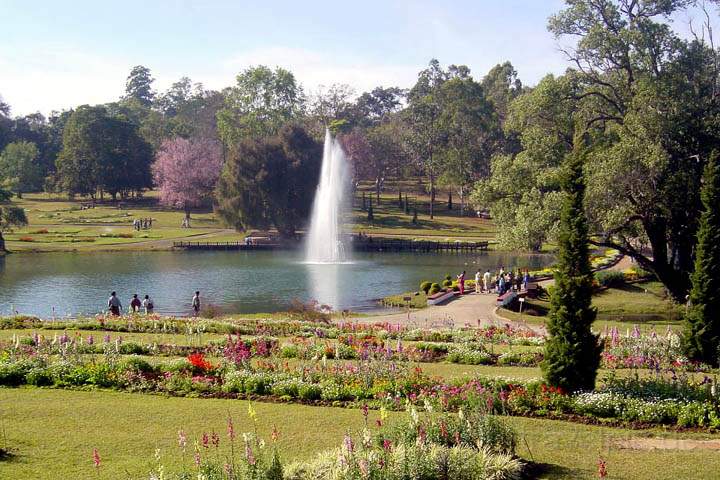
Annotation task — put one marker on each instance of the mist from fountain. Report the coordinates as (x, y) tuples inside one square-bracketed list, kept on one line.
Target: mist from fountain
[(325, 243)]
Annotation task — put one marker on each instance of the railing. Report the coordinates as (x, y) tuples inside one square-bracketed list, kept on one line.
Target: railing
[(363, 244)]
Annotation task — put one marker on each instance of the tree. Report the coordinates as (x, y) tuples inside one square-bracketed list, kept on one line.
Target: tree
[(702, 323), (651, 100), (372, 108), (472, 135), (262, 101), (10, 216), (270, 181), (501, 86), (102, 153), (523, 189), (572, 351), (186, 172), (19, 170), (139, 85)]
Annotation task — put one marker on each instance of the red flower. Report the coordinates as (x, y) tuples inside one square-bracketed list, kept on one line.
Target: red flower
[(198, 361)]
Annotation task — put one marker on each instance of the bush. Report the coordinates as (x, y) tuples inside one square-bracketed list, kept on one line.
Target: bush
[(434, 288), (447, 283), (426, 286), (610, 279)]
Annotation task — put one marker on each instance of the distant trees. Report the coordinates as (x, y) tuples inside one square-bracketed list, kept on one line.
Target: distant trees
[(102, 153), (186, 171), (19, 169), (138, 86), (261, 102), (270, 181)]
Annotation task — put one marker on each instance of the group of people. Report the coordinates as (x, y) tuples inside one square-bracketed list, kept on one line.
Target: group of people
[(147, 304), (142, 223), (501, 281)]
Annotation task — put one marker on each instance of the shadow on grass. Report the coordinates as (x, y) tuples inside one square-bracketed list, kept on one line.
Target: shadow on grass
[(549, 470)]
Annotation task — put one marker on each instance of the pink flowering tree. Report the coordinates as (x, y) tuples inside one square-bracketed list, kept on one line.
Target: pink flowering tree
[(186, 172)]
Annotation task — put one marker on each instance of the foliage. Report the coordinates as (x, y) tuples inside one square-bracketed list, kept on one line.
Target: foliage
[(10, 216), (270, 181), (572, 352), (19, 168), (610, 279), (186, 171), (702, 325), (102, 153), (259, 105)]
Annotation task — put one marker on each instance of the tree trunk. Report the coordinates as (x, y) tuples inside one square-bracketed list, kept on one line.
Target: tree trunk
[(432, 196), (19, 194), (2, 243), (462, 201), (378, 186), (450, 205), (186, 207)]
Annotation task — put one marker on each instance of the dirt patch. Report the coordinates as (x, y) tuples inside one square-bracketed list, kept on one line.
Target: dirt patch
[(667, 444)]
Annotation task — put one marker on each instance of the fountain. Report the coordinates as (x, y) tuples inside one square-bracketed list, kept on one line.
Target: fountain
[(324, 241)]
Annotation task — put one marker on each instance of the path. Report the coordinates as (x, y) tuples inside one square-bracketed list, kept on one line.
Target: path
[(475, 310)]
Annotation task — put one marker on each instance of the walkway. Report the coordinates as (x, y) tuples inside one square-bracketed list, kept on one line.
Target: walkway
[(474, 310)]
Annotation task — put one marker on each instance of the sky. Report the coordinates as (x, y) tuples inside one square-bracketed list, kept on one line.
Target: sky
[(56, 55)]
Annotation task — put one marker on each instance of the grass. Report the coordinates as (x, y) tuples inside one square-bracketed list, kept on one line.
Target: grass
[(60, 428), (643, 304), (59, 224), (70, 227)]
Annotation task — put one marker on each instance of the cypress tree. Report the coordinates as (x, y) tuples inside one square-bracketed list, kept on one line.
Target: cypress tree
[(572, 351), (702, 321), (407, 205), (364, 203), (370, 216), (414, 219)]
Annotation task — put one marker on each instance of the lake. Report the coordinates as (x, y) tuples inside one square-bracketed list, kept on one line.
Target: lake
[(235, 282)]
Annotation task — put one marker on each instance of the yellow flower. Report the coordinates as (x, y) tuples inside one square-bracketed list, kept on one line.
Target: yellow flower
[(251, 412)]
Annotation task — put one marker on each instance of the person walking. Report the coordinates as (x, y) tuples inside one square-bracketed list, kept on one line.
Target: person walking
[(501, 285), (114, 304), (526, 279), (148, 305), (461, 282), (196, 303), (478, 285), (486, 281), (135, 304)]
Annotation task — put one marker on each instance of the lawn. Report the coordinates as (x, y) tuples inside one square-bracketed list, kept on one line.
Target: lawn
[(53, 433), (643, 304), (57, 224)]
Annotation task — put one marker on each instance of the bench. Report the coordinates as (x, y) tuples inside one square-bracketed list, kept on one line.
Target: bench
[(440, 297), (506, 298)]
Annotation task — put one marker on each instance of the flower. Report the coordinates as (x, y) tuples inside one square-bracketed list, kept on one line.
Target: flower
[(96, 458), (275, 434), (251, 412), (182, 439), (602, 468), (230, 429)]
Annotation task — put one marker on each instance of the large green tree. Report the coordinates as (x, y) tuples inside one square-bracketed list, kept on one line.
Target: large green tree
[(10, 216), (270, 181), (19, 168), (102, 153), (261, 102), (650, 97), (702, 322), (572, 351)]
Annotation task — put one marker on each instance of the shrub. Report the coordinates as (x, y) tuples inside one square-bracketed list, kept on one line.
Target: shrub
[(610, 279), (434, 288), (447, 283), (426, 286)]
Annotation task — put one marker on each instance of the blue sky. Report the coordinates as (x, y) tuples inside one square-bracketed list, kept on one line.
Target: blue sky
[(58, 54)]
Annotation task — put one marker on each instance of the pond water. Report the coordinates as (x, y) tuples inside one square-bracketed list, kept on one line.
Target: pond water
[(63, 284)]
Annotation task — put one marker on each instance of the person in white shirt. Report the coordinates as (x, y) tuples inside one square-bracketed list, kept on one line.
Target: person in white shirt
[(486, 281), (478, 285), (148, 305)]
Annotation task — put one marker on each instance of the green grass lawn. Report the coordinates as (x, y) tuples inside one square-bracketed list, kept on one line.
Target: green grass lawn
[(53, 433), (56, 224), (643, 304)]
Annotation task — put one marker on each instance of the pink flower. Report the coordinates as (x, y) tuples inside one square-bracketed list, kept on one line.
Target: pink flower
[(96, 458), (205, 440), (182, 439), (230, 429)]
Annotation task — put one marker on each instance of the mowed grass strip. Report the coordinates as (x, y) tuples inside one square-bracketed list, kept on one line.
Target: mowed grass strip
[(54, 432)]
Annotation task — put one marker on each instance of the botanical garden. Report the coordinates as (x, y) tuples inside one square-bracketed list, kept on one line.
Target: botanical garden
[(468, 278)]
